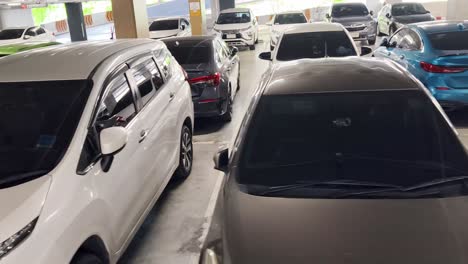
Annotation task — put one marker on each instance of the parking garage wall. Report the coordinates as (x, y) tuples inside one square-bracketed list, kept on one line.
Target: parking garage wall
[(15, 18)]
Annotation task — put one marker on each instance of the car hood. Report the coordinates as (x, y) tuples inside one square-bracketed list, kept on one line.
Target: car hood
[(237, 26), (21, 204), (349, 21), (351, 231), (163, 33), (412, 18)]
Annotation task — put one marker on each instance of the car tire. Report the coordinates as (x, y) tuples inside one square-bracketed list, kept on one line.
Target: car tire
[(86, 258), (227, 117), (185, 154), (252, 47), (371, 41)]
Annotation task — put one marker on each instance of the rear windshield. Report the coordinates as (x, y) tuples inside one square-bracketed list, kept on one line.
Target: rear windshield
[(164, 25), (11, 34), (408, 9), (349, 10), (315, 45), (38, 122), (234, 18), (290, 19), (457, 40), (389, 137), (191, 54)]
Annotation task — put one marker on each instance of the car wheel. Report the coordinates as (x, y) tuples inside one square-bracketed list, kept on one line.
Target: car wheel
[(371, 41), (86, 258), (185, 155), (227, 117), (252, 47)]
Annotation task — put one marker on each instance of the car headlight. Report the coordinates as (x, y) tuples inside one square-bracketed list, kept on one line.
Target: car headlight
[(10, 243)]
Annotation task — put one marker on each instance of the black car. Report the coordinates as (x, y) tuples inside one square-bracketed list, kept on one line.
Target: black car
[(392, 16), (213, 73)]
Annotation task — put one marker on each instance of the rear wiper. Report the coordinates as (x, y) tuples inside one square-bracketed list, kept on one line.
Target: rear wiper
[(340, 183), (10, 180)]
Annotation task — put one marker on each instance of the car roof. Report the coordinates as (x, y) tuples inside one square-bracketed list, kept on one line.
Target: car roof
[(355, 74), (349, 4), (441, 26), (234, 10), (72, 61), (290, 12), (313, 27)]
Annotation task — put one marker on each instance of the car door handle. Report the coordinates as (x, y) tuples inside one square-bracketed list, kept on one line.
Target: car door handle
[(171, 96), (143, 135)]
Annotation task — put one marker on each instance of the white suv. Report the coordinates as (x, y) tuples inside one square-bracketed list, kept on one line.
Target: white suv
[(281, 21), (89, 139), (238, 27)]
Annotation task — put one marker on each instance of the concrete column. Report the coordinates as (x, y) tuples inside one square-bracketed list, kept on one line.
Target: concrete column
[(130, 18), (197, 16), (76, 24), (225, 4), (457, 9)]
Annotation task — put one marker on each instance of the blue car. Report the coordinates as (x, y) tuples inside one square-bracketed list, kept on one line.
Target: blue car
[(437, 54)]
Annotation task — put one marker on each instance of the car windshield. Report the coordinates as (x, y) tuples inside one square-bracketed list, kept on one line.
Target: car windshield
[(408, 9), (233, 18), (315, 45), (191, 53), (38, 122), (349, 10), (388, 138), (290, 19), (164, 25), (11, 34), (457, 40)]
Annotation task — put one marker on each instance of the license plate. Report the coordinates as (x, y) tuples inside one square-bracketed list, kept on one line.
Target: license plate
[(355, 34), (231, 36)]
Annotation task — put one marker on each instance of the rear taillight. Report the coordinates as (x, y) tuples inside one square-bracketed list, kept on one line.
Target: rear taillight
[(214, 79), (440, 69)]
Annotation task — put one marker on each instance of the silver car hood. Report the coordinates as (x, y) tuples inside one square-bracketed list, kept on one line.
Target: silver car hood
[(354, 231)]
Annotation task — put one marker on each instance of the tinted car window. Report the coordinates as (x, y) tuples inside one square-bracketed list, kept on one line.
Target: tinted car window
[(164, 25), (38, 122), (349, 10), (11, 34), (457, 40), (408, 9), (388, 137), (290, 19), (31, 32), (315, 45), (234, 18), (40, 31), (191, 54), (143, 75)]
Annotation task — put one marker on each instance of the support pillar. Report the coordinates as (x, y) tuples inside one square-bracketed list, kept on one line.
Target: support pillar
[(197, 17), (225, 4), (76, 23), (130, 18)]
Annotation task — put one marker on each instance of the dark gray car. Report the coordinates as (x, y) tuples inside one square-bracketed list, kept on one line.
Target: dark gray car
[(364, 168), (213, 73), (357, 19), (392, 16)]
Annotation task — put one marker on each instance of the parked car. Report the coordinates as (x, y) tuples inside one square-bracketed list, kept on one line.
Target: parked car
[(213, 71), (170, 27), (392, 16), (15, 48), (25, 34), (238, 27), (89, 139), (363, 168), (314, 40), (282, 21), (437, 54), (357, 19)]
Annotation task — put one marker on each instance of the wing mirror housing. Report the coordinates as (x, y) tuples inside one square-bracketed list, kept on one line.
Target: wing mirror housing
[(221, 160), (182, 27), (265, 56), (234, 51), (371, 13), (113, 140), (388, 15), (365, 51)]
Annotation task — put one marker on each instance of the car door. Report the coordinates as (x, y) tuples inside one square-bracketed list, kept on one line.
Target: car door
[(230, 64)]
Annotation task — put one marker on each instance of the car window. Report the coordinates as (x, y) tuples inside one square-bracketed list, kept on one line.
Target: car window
[(413, 40), (344, 10), (31, 32), (191, 52), (233, 18), (296, 18), (397, 37), (386, 137), (407, 9), (456, 40), (315, 45), (407, 39), (170, 24), (220, 54), (11, 34), (143, 75), (164, 61), (40, 31)]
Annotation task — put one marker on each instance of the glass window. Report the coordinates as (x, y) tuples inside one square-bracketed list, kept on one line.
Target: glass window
[(407, 9), (315, 45), (346, 10), (164, 60), (456, 40), (170, 24), (398, 37), (386, 137), (38, 122), (40, 31), (31, 32), (11, 34), (191, 54), (233, 18), (143, 75), (296, 18)]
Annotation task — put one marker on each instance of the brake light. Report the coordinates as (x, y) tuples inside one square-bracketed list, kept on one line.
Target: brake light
[(440, 69), (214, 79)]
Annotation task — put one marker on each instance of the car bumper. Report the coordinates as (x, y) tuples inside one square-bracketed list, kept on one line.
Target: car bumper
[(368, 33), (209, 107)]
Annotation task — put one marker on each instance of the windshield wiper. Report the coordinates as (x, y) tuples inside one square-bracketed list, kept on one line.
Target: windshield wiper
[(336, 183), (13, 179)]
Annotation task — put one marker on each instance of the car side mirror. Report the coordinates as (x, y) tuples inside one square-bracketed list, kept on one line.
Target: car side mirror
[(221, 160), (393, 44), (388, 15), (182, 27), (27, 36), (328, 16), (428, 12), (371, 13), (113, 140), (365, 51), (234, 51), (265, 56), (384, 43)]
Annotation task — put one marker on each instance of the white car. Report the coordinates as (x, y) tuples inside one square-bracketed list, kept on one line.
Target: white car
[(314, 40), (170, 27), (281, 22), (237, 27), (89, 139), (25, 34)]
